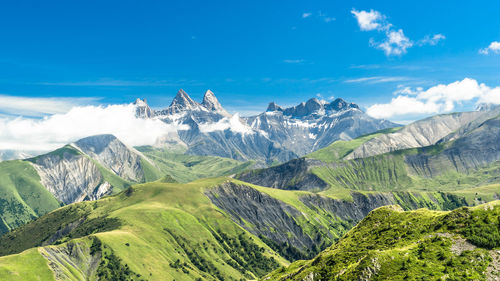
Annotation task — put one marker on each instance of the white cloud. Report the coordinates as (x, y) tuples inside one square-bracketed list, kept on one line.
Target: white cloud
[(437, 99), (402, 105), (306, 15), (395, 42), (431, 40), (37, 107), (494, 47), (369, 20), (59, 129)]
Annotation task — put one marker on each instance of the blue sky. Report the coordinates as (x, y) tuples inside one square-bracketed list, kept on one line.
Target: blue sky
[(248, 53)]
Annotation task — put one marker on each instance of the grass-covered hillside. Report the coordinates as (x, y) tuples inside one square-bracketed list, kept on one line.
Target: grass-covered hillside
[(185, 168), (390, 244), (154, 231), (213, 229), (22, 196)]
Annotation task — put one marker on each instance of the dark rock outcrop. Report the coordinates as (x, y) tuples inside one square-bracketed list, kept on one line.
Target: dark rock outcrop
[(293, 175)]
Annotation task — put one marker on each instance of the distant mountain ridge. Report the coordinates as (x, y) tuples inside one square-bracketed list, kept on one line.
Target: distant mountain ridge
[(276, 135), (452, 151)]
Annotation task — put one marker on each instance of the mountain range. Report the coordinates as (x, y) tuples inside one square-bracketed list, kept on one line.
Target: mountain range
[(276, 135), (443, 152), (298, 194)]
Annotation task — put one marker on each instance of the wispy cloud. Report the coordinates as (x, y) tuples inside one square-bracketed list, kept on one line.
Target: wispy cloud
[(294, 61), (494, 47), (378, 79), (37, 107), (395, 42), (324, 17), (118, 83), (365, 66), (431, 40), (319, 15)]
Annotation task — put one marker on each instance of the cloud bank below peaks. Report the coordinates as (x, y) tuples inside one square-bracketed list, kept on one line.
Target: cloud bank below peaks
[(437, 99), (54, 131)]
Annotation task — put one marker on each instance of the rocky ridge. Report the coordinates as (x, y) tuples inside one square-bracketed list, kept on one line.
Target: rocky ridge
[(279, 134)]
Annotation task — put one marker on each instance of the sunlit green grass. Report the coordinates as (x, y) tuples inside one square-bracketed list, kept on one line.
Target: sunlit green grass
[(390, 244), (29, 265)]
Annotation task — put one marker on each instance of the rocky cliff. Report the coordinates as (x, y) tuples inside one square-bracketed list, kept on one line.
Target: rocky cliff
[(422, 133), (291, 224), (71, 176), (111, 153)]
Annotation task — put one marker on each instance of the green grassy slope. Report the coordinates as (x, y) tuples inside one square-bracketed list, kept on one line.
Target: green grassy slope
[(392, 171), (389, 172), (161, 231), (390, 244), (22, 196), (185, 168), (166, 231), (27, 266)]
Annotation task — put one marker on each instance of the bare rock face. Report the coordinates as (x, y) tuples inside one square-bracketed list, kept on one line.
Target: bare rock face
[(263, 215), (418, 134), (76, 256), (476, 148), (114, 155), (70, 176), (211, 103)]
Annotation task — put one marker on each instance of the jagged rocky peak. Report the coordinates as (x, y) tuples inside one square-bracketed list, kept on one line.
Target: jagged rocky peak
[(273, 107), (211, 103), (314, 107), (142, 109), (182, 102), (340, 104)]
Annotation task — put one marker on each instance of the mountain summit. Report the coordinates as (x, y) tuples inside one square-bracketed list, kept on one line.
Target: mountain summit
[(211, 103), (181, 102)]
